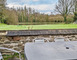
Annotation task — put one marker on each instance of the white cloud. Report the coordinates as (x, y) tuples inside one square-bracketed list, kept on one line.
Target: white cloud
[(35, 0), (48, 13), (14, 5), (29, 0), (25, 0), (37, 7), (42, 7)]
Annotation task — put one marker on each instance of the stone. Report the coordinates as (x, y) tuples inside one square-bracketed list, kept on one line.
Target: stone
[(73, 39), (22, 47), (16, 38), (17, 48), (8, 46), (20, 44), (76, 38), (14, 42), (30, 41), (23, 38), (72, 35), (7, 42), (4, 38), (28, 38), (1, 43), (66, 39), (14, 58), (66, 36), (10, 38)]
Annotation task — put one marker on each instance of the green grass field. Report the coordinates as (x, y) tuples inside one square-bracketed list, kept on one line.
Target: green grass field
[(36, 27)]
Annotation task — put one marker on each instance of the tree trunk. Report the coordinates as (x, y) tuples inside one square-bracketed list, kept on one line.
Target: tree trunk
[(65, 19)]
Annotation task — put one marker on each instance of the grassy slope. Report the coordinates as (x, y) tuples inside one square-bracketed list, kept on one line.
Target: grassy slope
[(25, 27)]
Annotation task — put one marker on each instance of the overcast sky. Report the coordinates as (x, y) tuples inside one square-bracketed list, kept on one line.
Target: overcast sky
[(43, 6)]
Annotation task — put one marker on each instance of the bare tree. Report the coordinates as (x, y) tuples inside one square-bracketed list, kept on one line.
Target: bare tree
[(75, 10), (64, 7), (75, 5)]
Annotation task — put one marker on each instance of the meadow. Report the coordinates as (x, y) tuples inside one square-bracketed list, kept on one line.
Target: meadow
[(37, 27)]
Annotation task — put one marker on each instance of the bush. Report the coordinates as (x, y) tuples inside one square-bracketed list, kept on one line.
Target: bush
[(10, 17), (70, 19)]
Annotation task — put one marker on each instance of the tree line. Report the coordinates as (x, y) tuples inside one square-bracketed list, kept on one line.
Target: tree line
[(67, 10)]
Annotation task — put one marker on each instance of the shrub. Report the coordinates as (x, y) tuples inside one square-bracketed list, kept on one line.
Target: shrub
[(10, 17)]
